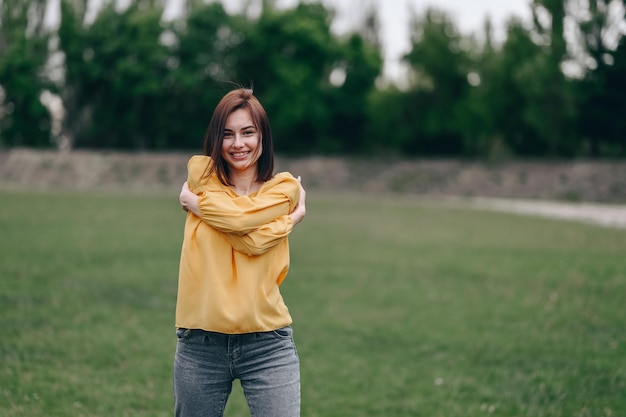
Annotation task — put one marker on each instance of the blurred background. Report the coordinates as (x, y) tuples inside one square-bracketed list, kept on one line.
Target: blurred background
[(546, 81), (402, 306)]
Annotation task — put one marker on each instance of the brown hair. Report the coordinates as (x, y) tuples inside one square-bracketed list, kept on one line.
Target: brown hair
[(241, 98)]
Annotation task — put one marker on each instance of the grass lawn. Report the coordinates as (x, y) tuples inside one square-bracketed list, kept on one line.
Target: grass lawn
[(400, 308)]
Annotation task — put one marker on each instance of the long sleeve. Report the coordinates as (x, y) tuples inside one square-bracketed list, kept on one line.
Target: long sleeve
[(252, 224), (262, 239), (244, 214)]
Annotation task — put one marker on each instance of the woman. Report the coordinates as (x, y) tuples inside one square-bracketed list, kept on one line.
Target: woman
[(231, 320)]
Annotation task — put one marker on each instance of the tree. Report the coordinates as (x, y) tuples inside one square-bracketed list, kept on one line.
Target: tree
[(440, 66), (121, 92), (115, 83), (288, 55), (478, 118), (391, 122), (24, 120), (505, 83), (200, 69), (357, 67), (602, 90), (552, 112)]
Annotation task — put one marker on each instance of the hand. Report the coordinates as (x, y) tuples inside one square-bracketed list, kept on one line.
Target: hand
[(188, 200), (300, 210)]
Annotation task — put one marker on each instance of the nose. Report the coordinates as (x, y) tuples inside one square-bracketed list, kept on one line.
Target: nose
[(237, 142)]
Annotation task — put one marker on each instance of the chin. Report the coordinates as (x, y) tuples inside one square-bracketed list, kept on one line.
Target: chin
[(240, 165)]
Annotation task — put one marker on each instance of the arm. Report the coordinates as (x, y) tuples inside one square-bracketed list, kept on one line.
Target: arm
[(243, 214), (300, 211), (240, 216), (259, 240), (267, 236), (228, 213), (262, 239), (190, 202)]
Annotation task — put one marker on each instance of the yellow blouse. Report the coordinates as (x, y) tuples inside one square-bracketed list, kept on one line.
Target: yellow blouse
[(235, 255)]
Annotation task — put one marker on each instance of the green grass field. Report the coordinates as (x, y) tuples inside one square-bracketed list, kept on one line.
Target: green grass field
[(401, 309)]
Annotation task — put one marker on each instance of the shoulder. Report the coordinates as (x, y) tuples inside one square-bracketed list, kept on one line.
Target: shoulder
[(198, 161), (282, 180), (284, 177), (283, 184), (197, 168)]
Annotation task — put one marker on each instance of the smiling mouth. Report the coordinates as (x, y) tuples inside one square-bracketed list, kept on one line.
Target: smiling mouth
[(239, 154)]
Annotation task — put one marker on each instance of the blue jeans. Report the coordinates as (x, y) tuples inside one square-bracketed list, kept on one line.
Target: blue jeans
[(207, 363)]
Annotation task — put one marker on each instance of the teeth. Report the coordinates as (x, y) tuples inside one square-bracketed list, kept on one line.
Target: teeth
[(237, 154)]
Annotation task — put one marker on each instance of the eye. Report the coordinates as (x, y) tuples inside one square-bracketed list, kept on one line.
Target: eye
[(228, 134), (249, 132)]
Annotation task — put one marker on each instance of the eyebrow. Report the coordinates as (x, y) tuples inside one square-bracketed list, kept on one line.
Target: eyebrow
[(243, 128)]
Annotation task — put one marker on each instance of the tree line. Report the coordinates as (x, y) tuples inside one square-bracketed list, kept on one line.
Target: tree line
[(127, 79)]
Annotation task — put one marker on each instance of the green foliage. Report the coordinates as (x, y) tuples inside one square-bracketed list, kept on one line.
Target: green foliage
[(117, 80), (400, 308), (390, 122), (288, 56), (501, 72), (200, 60), (120, 88), (24, 121), (440, 66), (360, 64), (605, 87), (552, 114), (154, 84)]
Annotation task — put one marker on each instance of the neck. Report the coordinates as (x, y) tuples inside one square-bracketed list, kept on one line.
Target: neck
[(244, 182)]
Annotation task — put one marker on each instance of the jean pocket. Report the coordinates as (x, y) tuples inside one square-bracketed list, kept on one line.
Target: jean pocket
[(182, 333), (283, 333)]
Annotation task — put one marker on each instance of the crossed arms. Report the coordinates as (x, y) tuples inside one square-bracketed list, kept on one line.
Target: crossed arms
[(252, 226)]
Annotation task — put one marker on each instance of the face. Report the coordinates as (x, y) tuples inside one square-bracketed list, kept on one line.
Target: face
[(241, 147)]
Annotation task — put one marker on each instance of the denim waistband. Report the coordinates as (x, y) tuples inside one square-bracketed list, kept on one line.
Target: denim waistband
[(218, 337)]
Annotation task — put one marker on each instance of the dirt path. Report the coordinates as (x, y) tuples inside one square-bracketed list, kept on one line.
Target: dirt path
[(613, 216)]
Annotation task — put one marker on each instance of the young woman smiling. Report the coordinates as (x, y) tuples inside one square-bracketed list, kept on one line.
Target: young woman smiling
[(231, 320)]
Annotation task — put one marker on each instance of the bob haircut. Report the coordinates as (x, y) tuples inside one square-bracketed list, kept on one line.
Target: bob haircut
[(241, 98)]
